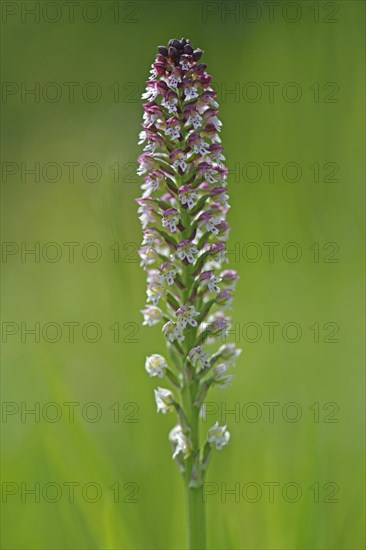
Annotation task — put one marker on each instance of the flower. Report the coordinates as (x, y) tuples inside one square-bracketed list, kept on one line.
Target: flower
[(152, 315), (179, 159), (152, 276), (195, 120), (171, 219), (212, 286), (210, 222), (200, 147), (147, 215), (224, 298), (173, 128), (198, 357), (218, 325), (190, 92), (185, 62), (228, 353), (146, 163), (216, 153), (172, 332), (210, 280), (187, 195), (229, 278), (220, 376), (150, 93), (187, 250), (218, 436), (167, 273), (208, 172), (148, 255), (154, 292), (154, 180), (164, 400), (185, 315), (170, 103), (150, 237), (174, 80), (180, 442), (155, 365)]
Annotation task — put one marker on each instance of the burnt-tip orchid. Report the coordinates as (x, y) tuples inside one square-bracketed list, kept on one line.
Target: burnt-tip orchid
[(183, 212)]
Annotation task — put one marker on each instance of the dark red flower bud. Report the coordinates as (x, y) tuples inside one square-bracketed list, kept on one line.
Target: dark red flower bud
[(161, 86), (205, 79), (176, 44), (163, 51), (188, 49), (173, 53), (160, 68), (197, 54)]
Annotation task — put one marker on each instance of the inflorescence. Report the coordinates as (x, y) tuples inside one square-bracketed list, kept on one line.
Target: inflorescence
[(183, 214)]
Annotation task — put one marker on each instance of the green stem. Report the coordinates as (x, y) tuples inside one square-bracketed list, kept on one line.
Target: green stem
[(196, 528), (195, 507)]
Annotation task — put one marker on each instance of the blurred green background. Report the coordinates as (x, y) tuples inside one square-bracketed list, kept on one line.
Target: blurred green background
[(312, 53)]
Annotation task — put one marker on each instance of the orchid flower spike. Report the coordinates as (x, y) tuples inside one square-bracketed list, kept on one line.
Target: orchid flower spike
[(183, 212)]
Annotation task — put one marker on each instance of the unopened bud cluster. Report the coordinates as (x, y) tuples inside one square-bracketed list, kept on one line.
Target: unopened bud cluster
[(183, 214)]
